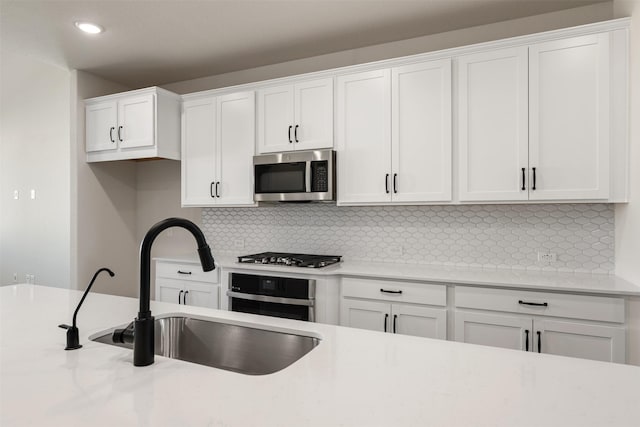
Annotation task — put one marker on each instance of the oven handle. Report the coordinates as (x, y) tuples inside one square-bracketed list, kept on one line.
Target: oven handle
[(276, 300)]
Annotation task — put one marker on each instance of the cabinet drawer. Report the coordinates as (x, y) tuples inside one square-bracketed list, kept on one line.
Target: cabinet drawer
[(186, 271), (418, 293), (605, 309)]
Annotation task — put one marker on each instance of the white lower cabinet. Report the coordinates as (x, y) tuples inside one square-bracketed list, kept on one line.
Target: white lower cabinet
[(369, 304), (185, 283), (592, 328)]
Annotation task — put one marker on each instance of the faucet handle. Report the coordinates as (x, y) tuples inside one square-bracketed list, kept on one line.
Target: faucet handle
[(73, 337)]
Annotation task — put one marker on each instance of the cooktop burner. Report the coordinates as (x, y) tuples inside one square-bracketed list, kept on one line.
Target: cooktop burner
[(295, 260)]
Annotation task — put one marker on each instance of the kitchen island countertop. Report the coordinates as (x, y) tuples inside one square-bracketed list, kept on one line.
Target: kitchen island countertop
[(353, 378)]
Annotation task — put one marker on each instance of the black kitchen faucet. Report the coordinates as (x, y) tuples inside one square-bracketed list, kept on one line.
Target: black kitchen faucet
[(142, 335)]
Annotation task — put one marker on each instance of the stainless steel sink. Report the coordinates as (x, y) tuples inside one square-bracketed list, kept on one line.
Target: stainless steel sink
[(243, 349)]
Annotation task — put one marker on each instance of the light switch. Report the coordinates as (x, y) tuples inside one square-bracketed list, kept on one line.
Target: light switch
[(33, 194)]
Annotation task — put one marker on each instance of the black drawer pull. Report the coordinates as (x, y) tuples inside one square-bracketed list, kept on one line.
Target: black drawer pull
[(211, 189), (386, 317), (537, 304), (119, 130), (183, 272), (111, 129), (395, 320), (390, 292), (395, 182), (386, 183), (526, 338), (184, 298), (295, 133), (290, 142), (180, 295), (523, 178)]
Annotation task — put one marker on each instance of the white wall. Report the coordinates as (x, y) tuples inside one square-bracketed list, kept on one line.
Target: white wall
[(628, 215), (34, 154), (103, 204), (467, 36)]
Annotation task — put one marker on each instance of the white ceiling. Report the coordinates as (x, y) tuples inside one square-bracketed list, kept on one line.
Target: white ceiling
[(149, 42)]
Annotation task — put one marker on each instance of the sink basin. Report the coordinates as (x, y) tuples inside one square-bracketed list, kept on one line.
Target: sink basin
[(238, 348)]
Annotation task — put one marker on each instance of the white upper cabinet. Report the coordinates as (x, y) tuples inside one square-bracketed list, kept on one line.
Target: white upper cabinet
[(421, 132), (569, 118), (364, 137), (296, 117), (394, 135), (139, 124), (218, 140), (492, 125), (533, 121)]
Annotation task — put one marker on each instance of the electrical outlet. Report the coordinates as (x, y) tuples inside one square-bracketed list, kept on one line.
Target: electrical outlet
[(16, 194), (239, 243), (546, 257), (33, 194)]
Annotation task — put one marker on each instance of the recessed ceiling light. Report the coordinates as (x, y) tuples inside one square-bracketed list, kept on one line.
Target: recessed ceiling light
[(88, 27)]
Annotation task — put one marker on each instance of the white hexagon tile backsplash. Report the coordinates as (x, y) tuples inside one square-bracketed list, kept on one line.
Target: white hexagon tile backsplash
[(489, 236)]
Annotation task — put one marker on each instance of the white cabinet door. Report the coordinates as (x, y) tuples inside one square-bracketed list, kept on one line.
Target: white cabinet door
[(503, 330), (569, 118), (101, 126), (492, 125), (371, 315), (201, 295), (168, 290), (313, 123), (419, 321), (421, 132), (364, 137), (275, 119), (198, 152), (235, 148), (575, 339), (136, 121)]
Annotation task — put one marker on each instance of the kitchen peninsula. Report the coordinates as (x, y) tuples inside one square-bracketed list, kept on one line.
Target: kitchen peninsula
[(352, 378)]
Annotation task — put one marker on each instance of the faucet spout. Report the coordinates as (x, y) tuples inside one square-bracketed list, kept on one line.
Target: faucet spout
[(143, 345)]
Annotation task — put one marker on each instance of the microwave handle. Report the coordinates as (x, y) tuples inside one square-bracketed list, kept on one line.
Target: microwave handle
[(307, 177)]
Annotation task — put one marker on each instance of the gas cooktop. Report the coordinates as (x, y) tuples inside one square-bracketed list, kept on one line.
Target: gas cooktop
[(295, 260)]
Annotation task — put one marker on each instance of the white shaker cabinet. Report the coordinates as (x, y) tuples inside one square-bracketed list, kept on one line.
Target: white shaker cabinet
[(218, 141), (533, 121), (296, 117), (139, 124), (569, 113), (492, 125), (589, 327), (394, 135), (185, 283), (394, 307)]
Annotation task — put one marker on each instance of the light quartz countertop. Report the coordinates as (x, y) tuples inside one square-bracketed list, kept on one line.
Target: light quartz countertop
[(352, 378), (535, 280)]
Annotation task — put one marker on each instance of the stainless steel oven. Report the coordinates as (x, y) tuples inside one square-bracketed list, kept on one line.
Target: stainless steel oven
[(295, 177), (272, 296)]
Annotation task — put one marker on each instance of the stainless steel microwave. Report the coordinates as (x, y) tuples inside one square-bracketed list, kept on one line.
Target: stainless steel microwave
[(299, 176)]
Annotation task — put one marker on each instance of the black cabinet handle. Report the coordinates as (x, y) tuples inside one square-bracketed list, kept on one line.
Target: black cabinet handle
[(537, 304), (183, 272), (526, 340), (184, 298), (217, 193), (395, 182), (180, 295), (111, 129), (539, 341), (395, 319), (390, 292), (295, 133), (523, 180), (290, 134), (211, 189), (386, 317), (119, 137), (534, 179), (386, 183)]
